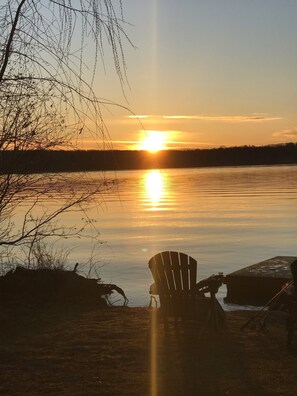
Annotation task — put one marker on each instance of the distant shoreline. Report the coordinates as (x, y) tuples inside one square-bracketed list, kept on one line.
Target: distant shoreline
[(39, 161)]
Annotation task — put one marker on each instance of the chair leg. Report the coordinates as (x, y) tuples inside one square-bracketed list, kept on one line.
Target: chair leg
[(217, 314), (213, 312)]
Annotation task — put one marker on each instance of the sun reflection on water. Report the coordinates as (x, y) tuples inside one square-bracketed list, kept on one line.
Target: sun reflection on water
[(155, 188)]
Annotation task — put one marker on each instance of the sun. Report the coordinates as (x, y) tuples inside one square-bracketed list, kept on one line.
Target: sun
[(153, 141)]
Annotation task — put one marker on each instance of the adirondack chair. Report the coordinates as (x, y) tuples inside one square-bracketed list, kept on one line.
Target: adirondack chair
[(180, 296)]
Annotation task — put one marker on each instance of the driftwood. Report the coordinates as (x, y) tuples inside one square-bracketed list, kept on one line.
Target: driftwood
[(23, 285)]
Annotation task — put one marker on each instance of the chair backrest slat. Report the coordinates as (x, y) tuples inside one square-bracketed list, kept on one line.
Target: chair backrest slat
[(157, 268), (176, 269), (168, 270), (193, 273), (185, 271)]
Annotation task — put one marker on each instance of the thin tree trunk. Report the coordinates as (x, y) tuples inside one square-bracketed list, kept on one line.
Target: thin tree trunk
[(10, 39)]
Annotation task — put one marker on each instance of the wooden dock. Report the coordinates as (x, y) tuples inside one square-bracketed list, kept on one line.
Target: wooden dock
[(258, 283)]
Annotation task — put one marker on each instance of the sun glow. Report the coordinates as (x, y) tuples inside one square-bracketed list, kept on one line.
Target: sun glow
[(153, 141)]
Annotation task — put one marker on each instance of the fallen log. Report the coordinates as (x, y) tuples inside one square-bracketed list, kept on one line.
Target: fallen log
[(23, 285)]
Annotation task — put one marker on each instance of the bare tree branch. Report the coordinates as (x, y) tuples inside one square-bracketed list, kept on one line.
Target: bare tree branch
[(49, 54)]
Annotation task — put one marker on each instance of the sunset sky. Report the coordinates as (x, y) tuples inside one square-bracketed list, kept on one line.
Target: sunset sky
[(206, 74)]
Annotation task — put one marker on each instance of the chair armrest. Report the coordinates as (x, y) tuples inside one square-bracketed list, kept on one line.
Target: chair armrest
[(210, 284)]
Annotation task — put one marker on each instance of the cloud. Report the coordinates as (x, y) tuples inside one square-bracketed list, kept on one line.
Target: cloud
[(188, 144), (286, 134), (140, 116), (124, 144), (255, 117), (124, 141), (226, 118)]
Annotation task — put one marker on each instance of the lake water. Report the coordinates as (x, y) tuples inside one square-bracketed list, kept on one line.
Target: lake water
[(226, 218)]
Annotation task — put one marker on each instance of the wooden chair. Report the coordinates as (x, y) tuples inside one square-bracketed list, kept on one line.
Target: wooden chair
[(180, 297)]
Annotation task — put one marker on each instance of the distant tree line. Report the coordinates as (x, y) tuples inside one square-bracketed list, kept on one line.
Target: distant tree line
[(32, 161)]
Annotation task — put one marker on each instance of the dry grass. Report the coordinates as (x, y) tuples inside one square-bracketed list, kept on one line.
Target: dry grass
[(107, 352)]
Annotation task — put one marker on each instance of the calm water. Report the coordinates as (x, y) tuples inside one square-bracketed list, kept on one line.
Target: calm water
[(226, 218)]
